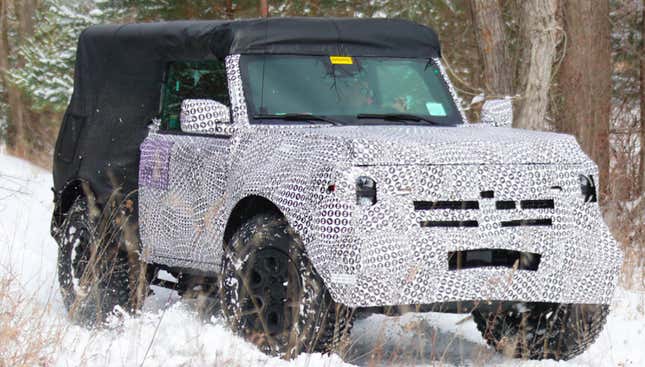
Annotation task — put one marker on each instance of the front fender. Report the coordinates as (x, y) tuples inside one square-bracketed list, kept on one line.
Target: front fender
[(296, 174)]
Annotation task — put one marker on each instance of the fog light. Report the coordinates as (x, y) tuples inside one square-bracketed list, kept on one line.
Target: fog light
[(588, 188), (365, 191)]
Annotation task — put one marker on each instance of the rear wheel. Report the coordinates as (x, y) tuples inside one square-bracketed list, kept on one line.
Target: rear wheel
[(95, 271), (272, 295), (542, 330)]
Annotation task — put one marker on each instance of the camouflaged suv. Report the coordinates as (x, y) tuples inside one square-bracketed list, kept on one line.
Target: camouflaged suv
[(293, 173)]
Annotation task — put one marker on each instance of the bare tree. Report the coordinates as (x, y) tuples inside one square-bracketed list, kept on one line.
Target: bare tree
[(539, 31), (489, 27), (585, 79)]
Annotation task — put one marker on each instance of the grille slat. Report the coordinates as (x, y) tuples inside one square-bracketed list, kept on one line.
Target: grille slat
[(537, 204), (437, 205), (504, 205), (527, 222), (487, 194), (449, 223)]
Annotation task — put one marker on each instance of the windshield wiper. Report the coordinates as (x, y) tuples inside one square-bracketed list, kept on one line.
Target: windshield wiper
[(296, 117), (398, 117)]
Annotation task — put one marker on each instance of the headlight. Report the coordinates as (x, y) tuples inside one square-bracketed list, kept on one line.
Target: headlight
[(365, 191), (588, 188)]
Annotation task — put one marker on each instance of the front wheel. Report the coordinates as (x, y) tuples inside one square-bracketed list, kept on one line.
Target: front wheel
[(272, 295), (542, 330)]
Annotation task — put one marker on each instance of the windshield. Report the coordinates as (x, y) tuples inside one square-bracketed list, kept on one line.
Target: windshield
[(347, 87)]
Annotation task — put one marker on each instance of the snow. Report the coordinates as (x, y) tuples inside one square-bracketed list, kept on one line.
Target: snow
[(478, 98), (168, 331)]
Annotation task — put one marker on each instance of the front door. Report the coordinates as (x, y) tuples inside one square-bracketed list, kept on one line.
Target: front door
[(182, 175)]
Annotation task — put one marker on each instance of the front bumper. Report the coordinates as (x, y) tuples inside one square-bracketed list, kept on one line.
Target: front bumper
[(381, 256)]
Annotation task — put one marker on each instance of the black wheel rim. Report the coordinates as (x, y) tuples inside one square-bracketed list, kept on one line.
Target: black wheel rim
[(269, 295)]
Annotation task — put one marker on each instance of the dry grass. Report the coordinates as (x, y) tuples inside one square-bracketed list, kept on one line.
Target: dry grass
[(624, 212), (424, 344), (27, 336), (628, 227)]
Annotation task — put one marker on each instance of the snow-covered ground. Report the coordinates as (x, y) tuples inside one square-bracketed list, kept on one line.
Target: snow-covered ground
[(168, 332)]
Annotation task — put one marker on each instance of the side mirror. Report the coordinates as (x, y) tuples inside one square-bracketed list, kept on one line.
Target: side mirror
[(497, 112), (204, 116)]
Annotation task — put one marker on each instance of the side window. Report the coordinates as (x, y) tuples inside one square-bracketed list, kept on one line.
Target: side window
[(191, 80)]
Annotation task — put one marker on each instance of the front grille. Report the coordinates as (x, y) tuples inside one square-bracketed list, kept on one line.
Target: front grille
[(521, 207)]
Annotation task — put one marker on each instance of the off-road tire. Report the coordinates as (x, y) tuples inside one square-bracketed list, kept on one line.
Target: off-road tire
[(95, 272), (542, 331), (263, 254)]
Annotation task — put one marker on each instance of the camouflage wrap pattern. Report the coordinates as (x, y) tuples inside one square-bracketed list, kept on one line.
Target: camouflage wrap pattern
[(204, 117)]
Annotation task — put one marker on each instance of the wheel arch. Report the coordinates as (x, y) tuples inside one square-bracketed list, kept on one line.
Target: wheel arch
[(245, 209), (73, 189)]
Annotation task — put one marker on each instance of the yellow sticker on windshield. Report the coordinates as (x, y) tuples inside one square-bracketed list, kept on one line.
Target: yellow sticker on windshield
[(341, 60)]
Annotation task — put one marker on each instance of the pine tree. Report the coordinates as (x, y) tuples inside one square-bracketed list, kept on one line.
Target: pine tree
[(47, 77), (155, 10)]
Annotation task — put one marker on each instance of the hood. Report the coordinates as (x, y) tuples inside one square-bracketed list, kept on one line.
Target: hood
[(467, 144)]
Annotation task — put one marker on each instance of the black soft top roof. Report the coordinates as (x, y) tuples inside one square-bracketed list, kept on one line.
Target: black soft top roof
[(119, 71), (303, 36)]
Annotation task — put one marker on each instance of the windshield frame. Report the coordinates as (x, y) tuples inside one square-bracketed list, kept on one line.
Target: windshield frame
[(348, 119)]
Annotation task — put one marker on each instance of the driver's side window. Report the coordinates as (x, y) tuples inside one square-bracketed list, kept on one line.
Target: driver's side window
[(191, 80)]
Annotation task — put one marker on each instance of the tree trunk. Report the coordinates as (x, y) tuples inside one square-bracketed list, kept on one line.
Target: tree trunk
[(229, 9), (539, 37), (642, 156), (25, 10), (585, 80), (20, 115), (264, 8), (491, 37), (16, 134), (315, 7)]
